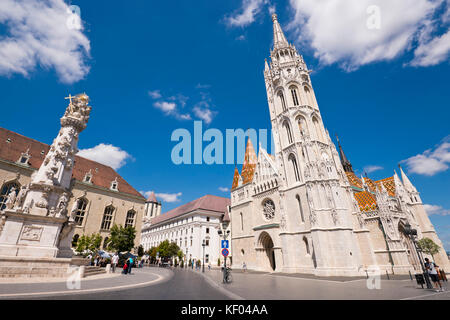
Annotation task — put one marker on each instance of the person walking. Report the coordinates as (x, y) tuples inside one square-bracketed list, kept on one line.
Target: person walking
[(432, 271), (209, 265), (125, 268), (130, 265), (114, 261), (244, 267)]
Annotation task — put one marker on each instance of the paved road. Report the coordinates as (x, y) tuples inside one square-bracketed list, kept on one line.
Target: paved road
[(183, 285)]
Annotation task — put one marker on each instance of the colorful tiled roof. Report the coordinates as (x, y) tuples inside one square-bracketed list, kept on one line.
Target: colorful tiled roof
[(249, 166), (208, 202), (235, 179), (388, 184), (354, 180), (12, 145), (366, 201)]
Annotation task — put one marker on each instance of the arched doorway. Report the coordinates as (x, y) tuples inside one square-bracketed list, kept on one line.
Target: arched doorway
[(266, 243)]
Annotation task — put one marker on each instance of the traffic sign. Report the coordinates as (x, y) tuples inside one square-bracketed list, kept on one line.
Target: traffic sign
[(224, 244), (225, 252)]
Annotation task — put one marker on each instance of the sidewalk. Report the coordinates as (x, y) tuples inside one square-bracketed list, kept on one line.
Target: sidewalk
[(138, 278), (278, 286)]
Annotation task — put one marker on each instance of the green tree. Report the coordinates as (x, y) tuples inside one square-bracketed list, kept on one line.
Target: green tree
[(428, 246), (180, 255), (121, 239), (140, 251), (168, 249), (82, 244), (95, 241)]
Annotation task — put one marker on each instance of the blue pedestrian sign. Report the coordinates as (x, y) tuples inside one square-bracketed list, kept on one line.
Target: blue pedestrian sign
[(225, 252), (224, 244)]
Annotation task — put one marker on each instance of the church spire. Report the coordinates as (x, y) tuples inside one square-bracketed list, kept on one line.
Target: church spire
[(345, 163), (406, 182), (279, 40)]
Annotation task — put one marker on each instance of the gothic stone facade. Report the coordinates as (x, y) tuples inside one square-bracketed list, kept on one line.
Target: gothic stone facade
[(299, 210)]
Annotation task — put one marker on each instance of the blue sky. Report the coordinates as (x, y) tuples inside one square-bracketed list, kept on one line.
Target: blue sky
[(151, 67)]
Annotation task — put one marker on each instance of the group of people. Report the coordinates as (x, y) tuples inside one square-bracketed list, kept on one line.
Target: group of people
[(127, 266)]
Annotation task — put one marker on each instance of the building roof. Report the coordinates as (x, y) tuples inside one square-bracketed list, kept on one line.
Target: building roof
[(366, 201), (388, 183), (235, 179), (12, 145), (207, 202), (152, 198)]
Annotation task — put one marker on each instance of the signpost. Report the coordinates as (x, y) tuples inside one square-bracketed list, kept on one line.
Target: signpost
[(224, 244), (225, 252)]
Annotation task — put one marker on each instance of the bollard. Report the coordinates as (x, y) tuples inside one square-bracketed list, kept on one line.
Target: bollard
[(108, 268), (410, 275), (81, 271)]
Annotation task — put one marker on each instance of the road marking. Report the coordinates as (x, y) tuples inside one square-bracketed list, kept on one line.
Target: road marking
[(143, 284)]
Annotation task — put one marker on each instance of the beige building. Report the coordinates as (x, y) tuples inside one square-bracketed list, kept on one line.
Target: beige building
[(302, 209), (103, 197)]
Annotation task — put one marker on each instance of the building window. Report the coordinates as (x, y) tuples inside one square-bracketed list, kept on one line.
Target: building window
[(306, 244), (207, 242), (6, 189), (207, 230), (288, 131), (268, 209), (300, 208), (81, 211), (294, 95), (107, 217), (207, 219), (191, 242), (293, 161), (129, 222), (242, 221), (114, 185), (283, 103)]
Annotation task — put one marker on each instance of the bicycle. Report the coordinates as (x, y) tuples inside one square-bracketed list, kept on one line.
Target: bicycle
[(227, 277)]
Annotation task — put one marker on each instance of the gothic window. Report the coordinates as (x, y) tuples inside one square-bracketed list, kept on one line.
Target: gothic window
[(130, 218), (242, 221), (288, 131), (293, 162), (207, 230), (302, 125), (300, 208), (305, 241), (6, 189), (81, 211), (317, 127), (308, 95), (107, 218), (268, 209), (282, 101), (294, 95)]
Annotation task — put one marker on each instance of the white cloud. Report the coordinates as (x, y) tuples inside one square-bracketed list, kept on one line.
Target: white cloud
[(338, 31), (432, 52), (202, 112), (169, 197), (224, 189), (37, 33), (370, 169), (436, 210), (106, 154), (155, 94), (248, 11), (167, 107), (431, 161)]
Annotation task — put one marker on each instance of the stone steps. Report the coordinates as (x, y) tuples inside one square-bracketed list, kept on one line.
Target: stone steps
[(92, 270)]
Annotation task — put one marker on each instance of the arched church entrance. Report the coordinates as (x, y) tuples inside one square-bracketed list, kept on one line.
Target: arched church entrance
[(265, 241)]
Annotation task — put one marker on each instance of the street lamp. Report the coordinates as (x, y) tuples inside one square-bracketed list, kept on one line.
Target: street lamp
[(203, 245), (225, 234), (412, 233)]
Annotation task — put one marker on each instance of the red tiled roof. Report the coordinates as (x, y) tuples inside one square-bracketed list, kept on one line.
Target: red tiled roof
[(102, 175), (208, 202), (152, 197)]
